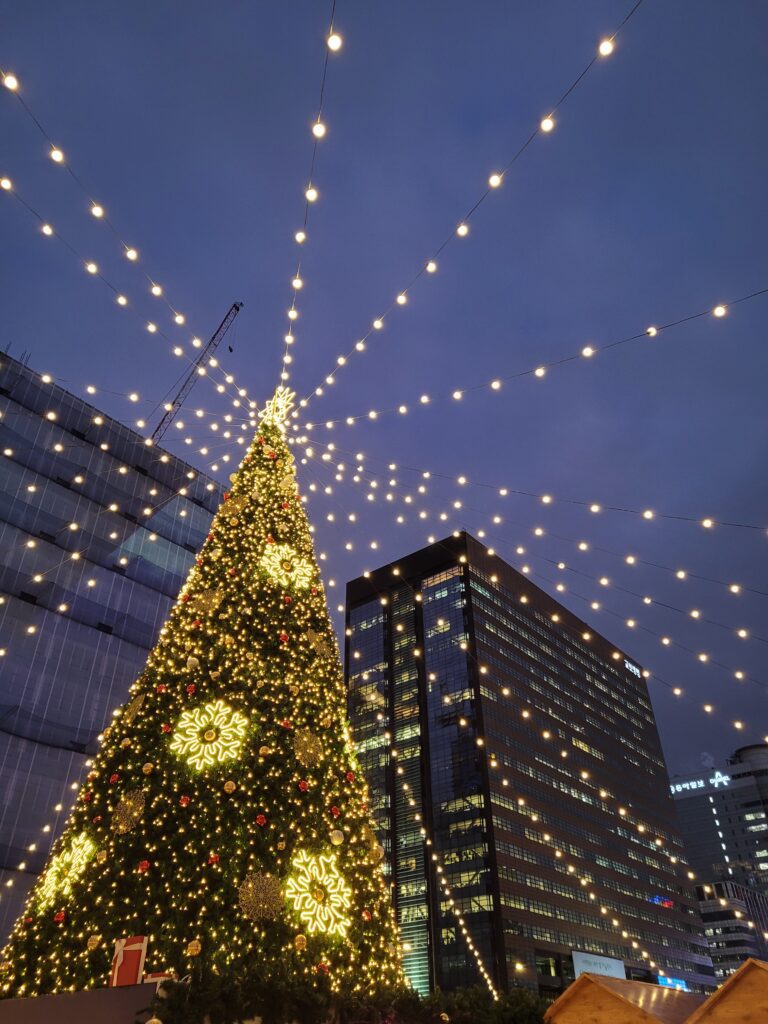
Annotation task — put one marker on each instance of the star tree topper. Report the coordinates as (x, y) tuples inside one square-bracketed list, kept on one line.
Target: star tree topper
[(278, 408)]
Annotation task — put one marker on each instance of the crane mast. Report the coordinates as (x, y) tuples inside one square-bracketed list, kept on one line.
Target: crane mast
[(193, 374)]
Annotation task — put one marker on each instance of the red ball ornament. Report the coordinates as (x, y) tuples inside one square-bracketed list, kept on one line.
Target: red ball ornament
[(197, 624), (185, 597), (335, 812), (286, 723), (114, 777), (313, 591), (59, 916), (283, 638), (303, 786), (367, 915), (350, 776), (271, 455), (270, 539), (322, 967), (210, 536), (213, 859), (259, 439), (198, 561), (261, 820), (285, 504), (97, 819), (87, 796), (287, 599), (191, 689), (28, 920), (226, 495), (363, 807), (143, 866), (233, 571), (184, 801), (165, 727), (161, 687)]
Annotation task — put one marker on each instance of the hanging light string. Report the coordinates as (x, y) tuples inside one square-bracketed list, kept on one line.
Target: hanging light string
[(622, 814), (483, 671), (629, 558), (539, 372), (327, 492), (666, 641), (95, 207), (333, 43), (91, 267), (429, 267)]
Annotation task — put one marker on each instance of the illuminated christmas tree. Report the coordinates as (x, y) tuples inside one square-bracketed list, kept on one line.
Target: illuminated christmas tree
[(225, 817)]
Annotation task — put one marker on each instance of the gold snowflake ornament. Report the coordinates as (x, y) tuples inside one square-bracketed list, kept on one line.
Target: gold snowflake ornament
[(129, 811), (318, 893), (308, 748), (282, 564), (207, 735), (260, 896), (64, 868), (278, 408)]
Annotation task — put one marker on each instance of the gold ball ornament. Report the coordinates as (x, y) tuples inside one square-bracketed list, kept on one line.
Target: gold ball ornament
[(300, 942), (444, 1017), (154, 1020), (264, 751), (194, 948), (229, 786), (94, 941), (209, 735), (337, 837), (281, 844), (193, 662), (101, 856), (148, 768), (125, 742), (377, 852)]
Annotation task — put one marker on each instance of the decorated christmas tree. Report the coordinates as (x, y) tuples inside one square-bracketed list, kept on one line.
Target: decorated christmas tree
[(224, 818)]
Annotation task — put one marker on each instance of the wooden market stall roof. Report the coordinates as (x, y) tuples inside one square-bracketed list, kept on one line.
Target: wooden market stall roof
[(596, 999), (741, 999)]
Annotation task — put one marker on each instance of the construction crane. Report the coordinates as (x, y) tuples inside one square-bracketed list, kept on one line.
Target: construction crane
[(173, 407)]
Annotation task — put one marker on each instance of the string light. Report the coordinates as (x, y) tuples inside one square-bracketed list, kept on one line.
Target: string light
[(585, 352), (545, 126)]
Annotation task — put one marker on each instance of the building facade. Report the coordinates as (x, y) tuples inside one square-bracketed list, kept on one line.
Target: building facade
[(736, 924), (97, 533), (512, 752), (723, 814)]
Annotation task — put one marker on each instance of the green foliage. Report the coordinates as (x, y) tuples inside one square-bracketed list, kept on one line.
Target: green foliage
[(233, 1001)]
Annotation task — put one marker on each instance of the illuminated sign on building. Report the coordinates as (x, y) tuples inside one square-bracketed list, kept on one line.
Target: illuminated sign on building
[(632, 668), (662, 901), (590, 963), (678, 983), (718, 779)]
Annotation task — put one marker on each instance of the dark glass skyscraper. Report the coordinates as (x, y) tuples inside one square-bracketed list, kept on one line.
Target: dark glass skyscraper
[(526, 769), (97, 533)]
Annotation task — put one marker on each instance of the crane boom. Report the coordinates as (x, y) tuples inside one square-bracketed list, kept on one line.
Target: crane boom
[(193, 374)]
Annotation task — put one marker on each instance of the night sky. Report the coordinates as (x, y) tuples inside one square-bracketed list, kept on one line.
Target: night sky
[(190, 122)]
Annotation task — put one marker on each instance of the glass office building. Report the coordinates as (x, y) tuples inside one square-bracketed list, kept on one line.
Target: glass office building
[(723, 814), (97, 533), (513, 749)]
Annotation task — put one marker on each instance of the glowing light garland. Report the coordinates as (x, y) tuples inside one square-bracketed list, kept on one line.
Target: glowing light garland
[(429, 266), (208, 735), (64, 868), (495, 384), (318, 893)]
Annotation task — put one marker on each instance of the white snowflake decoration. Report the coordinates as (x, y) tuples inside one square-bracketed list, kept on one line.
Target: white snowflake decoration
[(281, 563), (64, 869), (318, 893), (209, 734)]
